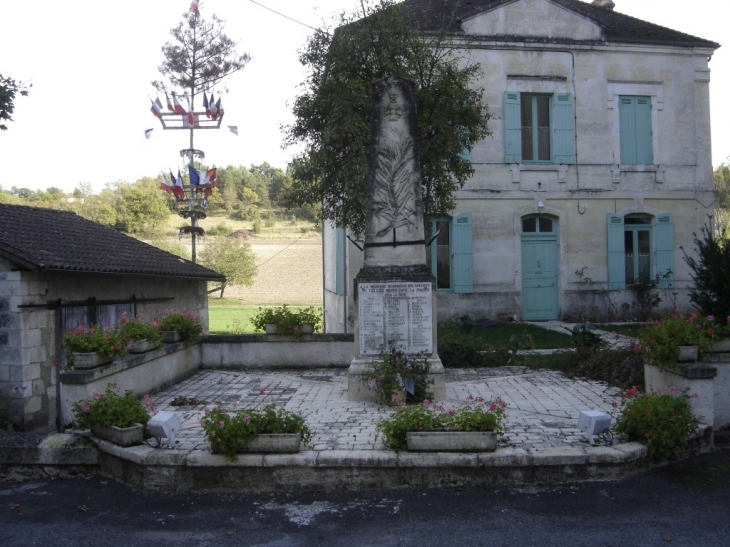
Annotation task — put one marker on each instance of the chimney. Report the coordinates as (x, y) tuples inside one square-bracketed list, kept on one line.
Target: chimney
[(604, 4)]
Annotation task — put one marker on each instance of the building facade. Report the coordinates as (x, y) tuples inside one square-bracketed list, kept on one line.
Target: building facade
[(597, 173)]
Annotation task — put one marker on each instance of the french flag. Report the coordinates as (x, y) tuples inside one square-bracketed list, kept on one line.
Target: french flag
[(211, 107), (194, 176), (205, 105), (169, 103), (191, 121), (177, 107), (194, 7), (165, 184), (179, 189), (156, 108), (211, 178)]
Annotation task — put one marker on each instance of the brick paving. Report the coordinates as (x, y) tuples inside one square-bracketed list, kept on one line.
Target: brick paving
[(542, 412)]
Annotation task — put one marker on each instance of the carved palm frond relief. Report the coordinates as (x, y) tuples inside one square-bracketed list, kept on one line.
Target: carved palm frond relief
[(393, 193)]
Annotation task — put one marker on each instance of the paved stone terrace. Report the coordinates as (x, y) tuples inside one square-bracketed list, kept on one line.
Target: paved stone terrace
[(542, 413)]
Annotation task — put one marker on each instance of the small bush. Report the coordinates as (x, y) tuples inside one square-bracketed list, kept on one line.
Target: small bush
[(270, 221), (218, 230), (256, 227)]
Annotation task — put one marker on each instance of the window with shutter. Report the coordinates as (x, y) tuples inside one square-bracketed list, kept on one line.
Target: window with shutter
[(451, 254), (635, 130)]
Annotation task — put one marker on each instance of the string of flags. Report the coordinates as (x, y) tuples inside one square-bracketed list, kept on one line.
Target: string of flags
[(201, 181)]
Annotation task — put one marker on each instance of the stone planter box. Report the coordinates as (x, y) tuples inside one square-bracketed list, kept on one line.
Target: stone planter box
[(306, 328), (688, 354), (170, 336), (89, 360), (721, 346), (123, 436), (696, 378), (452, 441), (142, 346), (270, 443), (270, 328)]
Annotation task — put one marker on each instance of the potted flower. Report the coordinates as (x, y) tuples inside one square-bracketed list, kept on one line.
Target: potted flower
[(117, 418), (139, 337), (663, 423), (400, 378), (279, 320), (428, 427), (88, 347), (309, 320), (186, 326), (254, 430), (678, 337)]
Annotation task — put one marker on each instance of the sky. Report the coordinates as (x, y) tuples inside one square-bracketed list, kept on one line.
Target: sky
[(91, 63)]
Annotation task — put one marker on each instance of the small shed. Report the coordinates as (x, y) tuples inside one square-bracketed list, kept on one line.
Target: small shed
[(58, 269)]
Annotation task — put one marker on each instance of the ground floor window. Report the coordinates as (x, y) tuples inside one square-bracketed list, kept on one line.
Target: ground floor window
[(450, 253)]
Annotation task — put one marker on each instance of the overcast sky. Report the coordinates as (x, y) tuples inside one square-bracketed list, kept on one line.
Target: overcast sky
[(91, 63)]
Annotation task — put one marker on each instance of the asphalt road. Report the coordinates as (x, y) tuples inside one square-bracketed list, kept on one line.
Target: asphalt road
[(685, 504)]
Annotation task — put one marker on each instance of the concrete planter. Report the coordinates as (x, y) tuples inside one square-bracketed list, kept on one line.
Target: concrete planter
[(170, 336), (88, 360), (688, 354), (123, 436), (452, 441), (142, 346), (270, 443), (270, 328), (696, 378), (306, 328), (721, 346)]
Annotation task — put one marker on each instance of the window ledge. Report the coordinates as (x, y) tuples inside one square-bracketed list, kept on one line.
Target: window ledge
[(517, 168), (616, 171)]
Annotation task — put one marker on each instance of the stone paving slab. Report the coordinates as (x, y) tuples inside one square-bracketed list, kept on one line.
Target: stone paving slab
[(542, 412)]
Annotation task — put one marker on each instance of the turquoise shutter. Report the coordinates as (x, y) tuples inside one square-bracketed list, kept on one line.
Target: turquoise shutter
[(512, 131), (340, 260), (644, 145), (665, 249), (616, 253), (461, 252), (465, 155), (563, 129), (627, 121)]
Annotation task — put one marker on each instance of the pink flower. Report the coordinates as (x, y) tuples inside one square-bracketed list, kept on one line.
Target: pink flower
[(206, 410), (262, 392), (221, 424), (492, 407), (212, 433), (85, 409), (247, 418), (97, 395), (694, 396), (452, 412), (479, 399), (710, 317)]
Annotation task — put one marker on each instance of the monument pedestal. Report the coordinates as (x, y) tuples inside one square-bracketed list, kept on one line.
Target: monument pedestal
[(396, 305)]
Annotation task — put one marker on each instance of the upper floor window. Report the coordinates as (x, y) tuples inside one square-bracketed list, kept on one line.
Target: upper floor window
[(635, 129), (539, 128)]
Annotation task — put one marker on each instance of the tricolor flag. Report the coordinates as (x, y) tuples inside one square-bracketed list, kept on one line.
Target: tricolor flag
[(211, 107), (169, 103), (205, 104), (194, 176), (233, 129), (148, 132), (194, 7), (211, 178), (177, 107), (179, 189), (191, 121), (219, 106), (156, 108), (216, 110), (165, 184)]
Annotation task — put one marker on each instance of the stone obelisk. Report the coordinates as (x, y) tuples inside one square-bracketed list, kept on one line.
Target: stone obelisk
[(394, 291)]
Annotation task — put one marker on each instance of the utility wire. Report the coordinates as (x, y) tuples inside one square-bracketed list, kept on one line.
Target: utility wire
[(284, 249), (284, 16)]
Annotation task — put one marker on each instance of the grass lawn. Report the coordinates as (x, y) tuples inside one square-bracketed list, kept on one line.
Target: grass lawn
[(631, 329), (501, 334), (231, 316)]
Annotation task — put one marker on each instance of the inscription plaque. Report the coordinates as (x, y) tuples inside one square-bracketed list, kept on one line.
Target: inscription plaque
[(398, 313)]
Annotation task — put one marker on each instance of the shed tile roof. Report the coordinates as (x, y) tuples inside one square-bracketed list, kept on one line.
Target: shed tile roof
[(434, 15), (61, 241)]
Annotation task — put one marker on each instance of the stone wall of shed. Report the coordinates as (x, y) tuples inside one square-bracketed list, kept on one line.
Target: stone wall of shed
[(27, 371)]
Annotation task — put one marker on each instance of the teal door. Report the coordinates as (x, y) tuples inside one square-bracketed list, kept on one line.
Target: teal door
[(539, 268)]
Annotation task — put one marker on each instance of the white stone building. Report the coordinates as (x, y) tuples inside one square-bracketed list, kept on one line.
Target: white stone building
[(58, 269), (599, 163)]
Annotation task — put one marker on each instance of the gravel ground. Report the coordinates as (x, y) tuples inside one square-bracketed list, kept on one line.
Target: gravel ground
[(289, 272)]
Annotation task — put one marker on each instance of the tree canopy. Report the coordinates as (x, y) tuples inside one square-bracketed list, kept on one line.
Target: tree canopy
[(232, 258), (9, 89), (332, 116)]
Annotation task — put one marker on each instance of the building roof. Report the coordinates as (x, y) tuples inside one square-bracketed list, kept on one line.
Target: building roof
[(435, 15), (49, 240)]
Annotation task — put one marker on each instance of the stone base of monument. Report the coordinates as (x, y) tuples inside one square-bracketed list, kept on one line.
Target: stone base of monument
[(360, 390)]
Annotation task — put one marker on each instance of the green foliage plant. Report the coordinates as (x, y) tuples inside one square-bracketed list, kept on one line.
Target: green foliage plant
[(660, 340), (185, 323), (84, 339), (585, 337), (232, 258), (226, 431), (136, 329), (110, 409), (310, 316), (710, 292), (478, 415), (393, 368), (332, 115), (286, 321), (662, 422)]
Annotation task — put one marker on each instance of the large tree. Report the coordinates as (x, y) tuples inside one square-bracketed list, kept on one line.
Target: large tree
[(232, 258), (9, 89), (332, 115)]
